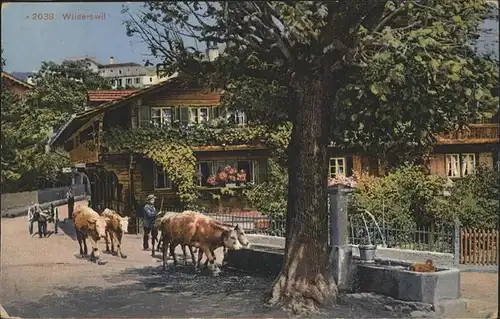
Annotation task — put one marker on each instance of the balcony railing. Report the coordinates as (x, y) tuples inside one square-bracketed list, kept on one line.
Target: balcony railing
[(87, 152), (473, 134)]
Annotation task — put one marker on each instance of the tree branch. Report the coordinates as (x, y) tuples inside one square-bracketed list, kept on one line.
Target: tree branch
[(388, 18)]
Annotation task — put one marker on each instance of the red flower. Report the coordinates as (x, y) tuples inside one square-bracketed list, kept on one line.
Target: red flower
[(223, 176), (242, 176), (232, 178), (212, 181)]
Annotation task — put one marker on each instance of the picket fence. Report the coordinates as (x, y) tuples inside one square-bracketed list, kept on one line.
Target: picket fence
[(479, 247)]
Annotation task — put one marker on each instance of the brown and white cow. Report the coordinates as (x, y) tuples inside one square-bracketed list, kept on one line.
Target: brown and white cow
[(196, 230), (240, 234), (89, 225), (116, 226)]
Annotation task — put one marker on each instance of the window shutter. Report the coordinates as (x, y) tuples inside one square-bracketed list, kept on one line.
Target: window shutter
[(184, 115), (348, 166), (216, 112), (147, 177), (260, 170), (144, 116), (175, 114), (211, 114)]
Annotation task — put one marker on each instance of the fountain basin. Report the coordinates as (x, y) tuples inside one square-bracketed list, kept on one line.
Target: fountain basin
[(393, 278)]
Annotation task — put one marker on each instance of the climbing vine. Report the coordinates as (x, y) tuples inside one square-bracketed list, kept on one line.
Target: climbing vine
[(179, 162), (171, 147)]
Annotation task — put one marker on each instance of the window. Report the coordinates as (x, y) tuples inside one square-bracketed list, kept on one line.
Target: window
[(205, 169), (468, 163), (137, 80), (129, 81), (460, 165), (199, 114), (452, 165), (120, 83), (150, 79), (113, 82), (240, 118), (161, 115), (248, 168), (120, 71), (161, 178), (221, 164), (336, 166)]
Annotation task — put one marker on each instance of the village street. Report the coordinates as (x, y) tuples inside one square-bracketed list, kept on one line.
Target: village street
[(45, 278)]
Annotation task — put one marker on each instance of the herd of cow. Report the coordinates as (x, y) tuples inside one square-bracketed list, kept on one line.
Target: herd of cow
[(189, 229)]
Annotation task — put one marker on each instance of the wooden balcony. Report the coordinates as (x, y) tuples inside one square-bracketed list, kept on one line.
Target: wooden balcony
[(474, 134), (87, 152)]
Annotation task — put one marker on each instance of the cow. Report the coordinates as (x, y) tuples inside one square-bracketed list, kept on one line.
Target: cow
[(242, 238), (157, 224), (116, 226), (196, 230), (89, 225)]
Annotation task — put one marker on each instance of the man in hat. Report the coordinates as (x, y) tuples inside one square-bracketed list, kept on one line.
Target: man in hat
[(71, 202), (149, 218)]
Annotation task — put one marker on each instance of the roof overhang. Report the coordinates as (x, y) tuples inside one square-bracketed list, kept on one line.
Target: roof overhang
[(17, 81)]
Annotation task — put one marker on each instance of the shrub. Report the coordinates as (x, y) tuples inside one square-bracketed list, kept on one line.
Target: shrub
[(475, 199), (271, 196), (403, 199)]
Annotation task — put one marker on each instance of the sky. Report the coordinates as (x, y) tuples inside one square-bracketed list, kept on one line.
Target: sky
[(27, 41)]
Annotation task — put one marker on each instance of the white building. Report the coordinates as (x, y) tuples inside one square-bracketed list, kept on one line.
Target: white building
[(122, 75)]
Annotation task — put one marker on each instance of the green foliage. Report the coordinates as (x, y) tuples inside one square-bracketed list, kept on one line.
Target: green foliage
[(61, 90), (476, 199), (404, 67), (407, 197), (408, 68), (44, 172), (403, 199), (179, 162), (27, 122), (171, 146), (271, 196), (215, 134)]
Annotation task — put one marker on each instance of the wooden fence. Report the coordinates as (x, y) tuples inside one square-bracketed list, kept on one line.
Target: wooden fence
[(479, 247)]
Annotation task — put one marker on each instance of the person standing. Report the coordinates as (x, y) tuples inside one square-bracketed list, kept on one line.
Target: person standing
[(42, 222), (71, 202), (148, 219)]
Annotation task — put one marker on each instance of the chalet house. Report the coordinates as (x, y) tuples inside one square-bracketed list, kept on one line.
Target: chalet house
[(123, 180), (19, 87), (454, 155)]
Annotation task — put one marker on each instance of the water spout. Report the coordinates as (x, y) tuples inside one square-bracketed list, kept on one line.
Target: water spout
[(376, 224), (367, 230)]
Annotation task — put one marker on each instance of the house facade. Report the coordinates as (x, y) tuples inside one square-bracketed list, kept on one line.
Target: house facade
[(18, 87), (122, 180), (455, 155)]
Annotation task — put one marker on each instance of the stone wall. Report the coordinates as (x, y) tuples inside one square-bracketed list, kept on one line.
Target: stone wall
[(407, 255), (14, 200)]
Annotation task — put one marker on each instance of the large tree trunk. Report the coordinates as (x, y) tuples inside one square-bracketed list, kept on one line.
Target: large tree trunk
[(305, 282)]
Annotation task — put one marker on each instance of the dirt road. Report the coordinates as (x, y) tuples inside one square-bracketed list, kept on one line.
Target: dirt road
[(46, 278)]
